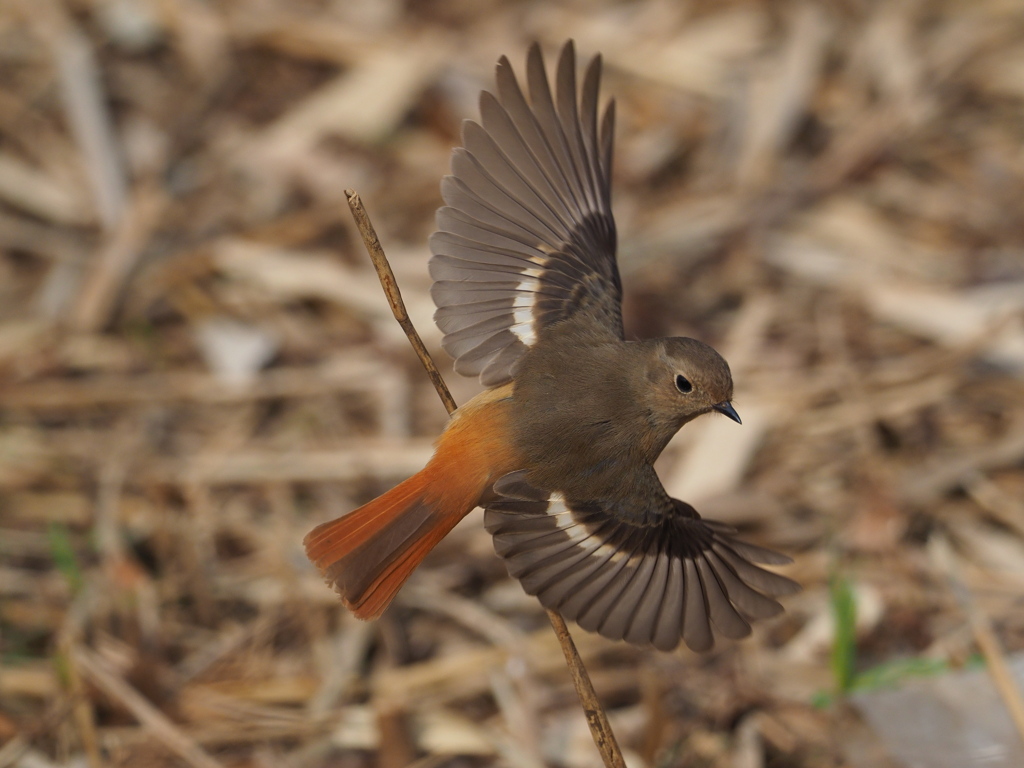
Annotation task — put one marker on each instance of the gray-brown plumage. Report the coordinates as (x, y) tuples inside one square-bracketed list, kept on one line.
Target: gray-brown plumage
[(528, 292), (560, 447)]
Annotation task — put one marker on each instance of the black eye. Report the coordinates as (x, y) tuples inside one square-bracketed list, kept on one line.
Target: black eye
[(683, 384)]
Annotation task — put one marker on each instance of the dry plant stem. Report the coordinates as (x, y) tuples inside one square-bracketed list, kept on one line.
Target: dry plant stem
[(984, 636), (159, 726), (81, 711), (390, 285), (597, 720), (998, 667)]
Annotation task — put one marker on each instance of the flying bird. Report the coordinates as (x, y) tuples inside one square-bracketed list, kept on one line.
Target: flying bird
[(559, 447)]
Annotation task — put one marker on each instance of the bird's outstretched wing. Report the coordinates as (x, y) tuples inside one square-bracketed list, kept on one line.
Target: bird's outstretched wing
[(668, 577), (527, 236)]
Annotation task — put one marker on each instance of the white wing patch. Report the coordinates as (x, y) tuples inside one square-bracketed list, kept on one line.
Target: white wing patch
[(522, 308)]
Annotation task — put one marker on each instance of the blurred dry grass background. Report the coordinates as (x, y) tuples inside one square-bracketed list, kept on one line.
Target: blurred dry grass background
[(198, 366)]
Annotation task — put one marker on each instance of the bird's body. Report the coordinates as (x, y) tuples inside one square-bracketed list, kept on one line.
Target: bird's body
[(560, 447), (593, 428)]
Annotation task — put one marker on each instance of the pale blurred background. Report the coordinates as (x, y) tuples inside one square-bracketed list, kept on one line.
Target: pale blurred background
[(198, 365)]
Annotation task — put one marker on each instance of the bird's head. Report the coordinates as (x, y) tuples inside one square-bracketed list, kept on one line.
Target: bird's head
[(685, 378)]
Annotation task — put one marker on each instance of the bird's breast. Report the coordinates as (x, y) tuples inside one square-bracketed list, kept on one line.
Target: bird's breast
[(574, 419)]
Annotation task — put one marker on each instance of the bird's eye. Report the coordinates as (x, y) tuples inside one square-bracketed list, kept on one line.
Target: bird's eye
[(683, 384)]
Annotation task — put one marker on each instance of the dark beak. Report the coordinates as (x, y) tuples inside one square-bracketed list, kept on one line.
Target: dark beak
[(727, 409)]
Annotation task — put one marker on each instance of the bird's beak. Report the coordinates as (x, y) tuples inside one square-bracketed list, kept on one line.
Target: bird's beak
[(727, 409)]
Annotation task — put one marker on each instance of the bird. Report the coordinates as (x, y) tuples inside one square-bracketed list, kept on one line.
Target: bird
[(559, 446)]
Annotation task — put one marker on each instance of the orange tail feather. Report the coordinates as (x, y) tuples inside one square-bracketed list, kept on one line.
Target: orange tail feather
[(368, 554)]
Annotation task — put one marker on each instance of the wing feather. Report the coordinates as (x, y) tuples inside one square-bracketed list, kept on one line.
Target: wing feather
[(528, 212), (652, 579)]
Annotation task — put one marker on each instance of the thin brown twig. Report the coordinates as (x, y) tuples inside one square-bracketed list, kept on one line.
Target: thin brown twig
[(597, 719), (81, 709), (99, 673), (390, 285)]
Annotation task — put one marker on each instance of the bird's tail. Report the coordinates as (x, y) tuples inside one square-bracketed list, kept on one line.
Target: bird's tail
[(368, 554)]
